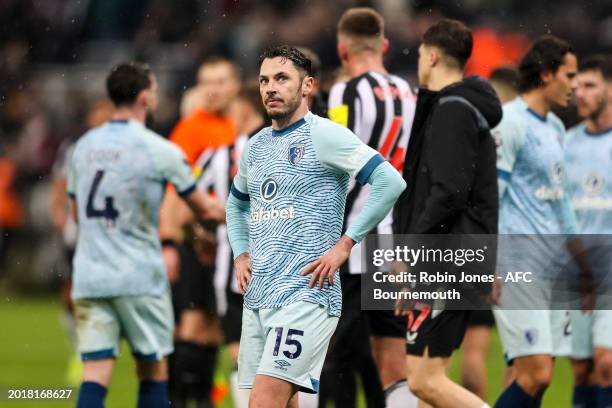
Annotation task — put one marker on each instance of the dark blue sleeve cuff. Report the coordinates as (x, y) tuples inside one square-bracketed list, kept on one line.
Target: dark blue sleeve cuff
[(365, 172), (187, 191), (236, 193)]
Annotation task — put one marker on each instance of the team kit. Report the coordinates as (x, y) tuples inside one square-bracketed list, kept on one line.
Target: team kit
[(288, 199)]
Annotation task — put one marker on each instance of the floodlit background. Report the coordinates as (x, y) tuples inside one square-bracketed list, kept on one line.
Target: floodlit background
[(55, 54)]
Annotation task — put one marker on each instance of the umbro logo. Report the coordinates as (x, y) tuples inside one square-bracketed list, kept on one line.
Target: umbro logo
[(282, 364)]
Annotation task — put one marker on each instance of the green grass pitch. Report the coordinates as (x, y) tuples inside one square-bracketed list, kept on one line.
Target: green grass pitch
[(34, 352)]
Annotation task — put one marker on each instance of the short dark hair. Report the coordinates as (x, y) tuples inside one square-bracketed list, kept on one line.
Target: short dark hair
[(545, 54), (361, 22), (508, 76), (126, 81), (301, 62), (452, 37), (598, 62)]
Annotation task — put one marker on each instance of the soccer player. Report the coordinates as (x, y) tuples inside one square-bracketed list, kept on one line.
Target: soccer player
[(532, 201), (284, 217), (99, 113), (378, 107), (116, 180), (588, 155), (450, 171)]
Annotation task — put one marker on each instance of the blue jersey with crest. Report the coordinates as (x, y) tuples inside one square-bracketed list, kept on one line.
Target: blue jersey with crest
[(589, 172), (531, 173), (296, 181), (117, 177)]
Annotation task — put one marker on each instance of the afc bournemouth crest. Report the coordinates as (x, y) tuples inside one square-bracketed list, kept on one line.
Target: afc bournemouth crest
[(296, 152)]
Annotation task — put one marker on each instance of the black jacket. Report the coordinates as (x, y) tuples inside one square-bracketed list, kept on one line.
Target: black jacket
[(450, 167)]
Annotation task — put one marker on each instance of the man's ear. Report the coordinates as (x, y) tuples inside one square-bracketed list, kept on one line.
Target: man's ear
[(143, 98), (385, 46), (342, 50), (546, 76), (434, 56), (307, 85)]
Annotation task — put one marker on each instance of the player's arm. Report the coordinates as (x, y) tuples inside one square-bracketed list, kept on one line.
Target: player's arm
[(510, 137), (238, 208), (342, 151)]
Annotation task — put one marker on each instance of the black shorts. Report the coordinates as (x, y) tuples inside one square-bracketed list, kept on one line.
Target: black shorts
[(481, 318), (231, 322), (194, 288), (382, 323), (441, 334)]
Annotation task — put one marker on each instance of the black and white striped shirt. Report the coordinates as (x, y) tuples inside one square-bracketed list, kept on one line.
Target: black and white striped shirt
[(379, 109), (218, 168)]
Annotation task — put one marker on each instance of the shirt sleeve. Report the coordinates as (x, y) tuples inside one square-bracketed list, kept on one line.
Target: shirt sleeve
[(239, 187), (341, 150), (386, 186), (174, 168), (509, 136)]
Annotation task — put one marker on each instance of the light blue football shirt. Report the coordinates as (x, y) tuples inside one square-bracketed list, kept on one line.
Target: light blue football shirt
[(296, 181), (589, 172), (531, 173), (117, 177)]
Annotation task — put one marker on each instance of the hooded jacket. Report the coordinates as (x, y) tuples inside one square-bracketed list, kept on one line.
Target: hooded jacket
[(450, 166)]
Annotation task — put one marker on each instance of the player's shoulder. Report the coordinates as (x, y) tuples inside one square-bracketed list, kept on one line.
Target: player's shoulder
[(157, 142), (575, 131), (514, 114), (90, 138), (325, 128)]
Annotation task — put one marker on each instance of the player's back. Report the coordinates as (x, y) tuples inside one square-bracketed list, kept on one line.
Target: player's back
[(117, 177), (379, 109)]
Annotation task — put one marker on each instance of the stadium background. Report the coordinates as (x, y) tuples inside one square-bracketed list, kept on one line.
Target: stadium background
[(54, 55)]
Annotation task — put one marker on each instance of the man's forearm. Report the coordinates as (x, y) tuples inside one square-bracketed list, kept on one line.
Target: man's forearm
[(237, 219)]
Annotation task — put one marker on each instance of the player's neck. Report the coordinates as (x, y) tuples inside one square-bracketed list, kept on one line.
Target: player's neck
[(130, 113), (280, 124), (536, 101), (441, 78), (602, 122), (359, 64)]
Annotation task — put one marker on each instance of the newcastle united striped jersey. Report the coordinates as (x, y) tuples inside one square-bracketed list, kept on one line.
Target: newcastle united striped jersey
[(379, 109), (218, 168)]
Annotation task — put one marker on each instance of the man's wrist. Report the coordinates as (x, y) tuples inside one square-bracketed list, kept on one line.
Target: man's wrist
[(346, 242)]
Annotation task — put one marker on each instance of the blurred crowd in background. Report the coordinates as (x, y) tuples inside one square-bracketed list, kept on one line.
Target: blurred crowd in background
[(55, 54)]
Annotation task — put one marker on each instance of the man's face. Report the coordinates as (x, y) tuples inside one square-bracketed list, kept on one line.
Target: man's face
[(282, 87), (561, 84), (424, 65), (219, 86), (592, 94)]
